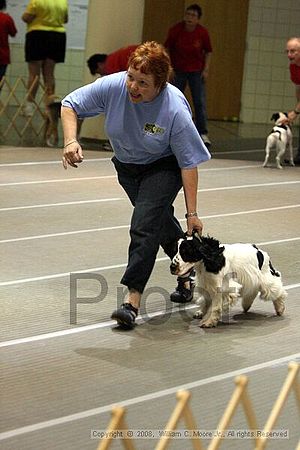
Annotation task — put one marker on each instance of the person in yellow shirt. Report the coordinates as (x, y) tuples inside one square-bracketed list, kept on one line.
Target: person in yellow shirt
[(45, 44)]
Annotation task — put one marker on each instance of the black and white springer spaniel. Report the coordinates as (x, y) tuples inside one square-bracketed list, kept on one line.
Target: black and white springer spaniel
[(225, 273)]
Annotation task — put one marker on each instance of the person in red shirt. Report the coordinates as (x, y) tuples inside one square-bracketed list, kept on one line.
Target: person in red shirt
[(104, 64), (293, 54), (190, 50), (7, 28)]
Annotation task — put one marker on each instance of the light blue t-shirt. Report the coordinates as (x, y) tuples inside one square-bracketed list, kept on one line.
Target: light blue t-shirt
[(141, 133)]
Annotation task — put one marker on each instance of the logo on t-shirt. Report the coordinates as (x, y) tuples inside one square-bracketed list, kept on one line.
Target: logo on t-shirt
[(152, 128)]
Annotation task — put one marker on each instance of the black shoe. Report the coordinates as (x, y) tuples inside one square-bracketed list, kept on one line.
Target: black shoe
[(125, 315), (296, 161), (183, 294), (297, 158)]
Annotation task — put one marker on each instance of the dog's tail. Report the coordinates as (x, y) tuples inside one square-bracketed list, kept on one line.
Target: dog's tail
[(273, 271), (49, 99)]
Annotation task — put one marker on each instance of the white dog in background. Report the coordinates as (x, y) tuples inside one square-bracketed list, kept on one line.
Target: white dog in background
[(225, 273), (280, 139)]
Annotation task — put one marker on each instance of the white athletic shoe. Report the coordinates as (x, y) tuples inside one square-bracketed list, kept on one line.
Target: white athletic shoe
[(28, 109), (205, 139)]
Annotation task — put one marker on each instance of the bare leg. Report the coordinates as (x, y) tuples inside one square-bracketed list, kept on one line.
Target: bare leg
[(48, 67), (34, 68)]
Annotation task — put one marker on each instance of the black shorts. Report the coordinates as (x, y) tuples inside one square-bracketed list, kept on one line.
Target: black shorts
[(40, 45)]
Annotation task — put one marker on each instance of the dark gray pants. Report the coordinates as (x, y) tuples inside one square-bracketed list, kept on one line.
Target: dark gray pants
[(197, 87), (152, 189)]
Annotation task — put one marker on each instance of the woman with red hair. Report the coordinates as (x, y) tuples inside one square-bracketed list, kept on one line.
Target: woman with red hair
[(156, 152)]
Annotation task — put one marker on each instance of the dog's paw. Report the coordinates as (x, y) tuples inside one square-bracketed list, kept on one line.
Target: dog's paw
[(209, 323), (279, 307), (198, 314)]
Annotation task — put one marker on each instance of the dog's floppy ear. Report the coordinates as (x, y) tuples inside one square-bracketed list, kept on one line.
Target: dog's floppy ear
[(275, 116), (212, 254), (190, 249)]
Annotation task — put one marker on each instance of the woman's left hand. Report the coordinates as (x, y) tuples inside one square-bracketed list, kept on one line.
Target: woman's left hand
[(194, 224), (72, 154), (291, 116)]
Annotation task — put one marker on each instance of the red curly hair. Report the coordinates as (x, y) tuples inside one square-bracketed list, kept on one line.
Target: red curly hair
[(152, 58)]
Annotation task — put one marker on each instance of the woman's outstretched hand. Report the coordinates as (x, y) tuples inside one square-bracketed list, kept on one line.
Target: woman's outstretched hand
[(72, 155)]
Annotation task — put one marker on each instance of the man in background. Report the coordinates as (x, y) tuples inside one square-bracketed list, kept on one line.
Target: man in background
[(190, 49), (293, 54), (104, 64)]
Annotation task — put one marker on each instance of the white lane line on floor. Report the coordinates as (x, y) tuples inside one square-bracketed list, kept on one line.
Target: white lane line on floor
[(115, 266), (238, 152), (89, 160), (83, 329), (214, 169), (51, 205), (222, 188), (65, 274), (93, 230), (147, 397), (57, 180), (66, 233), (248, 186), (278, 241), (65, 180), (97, 326), (42, 163)]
